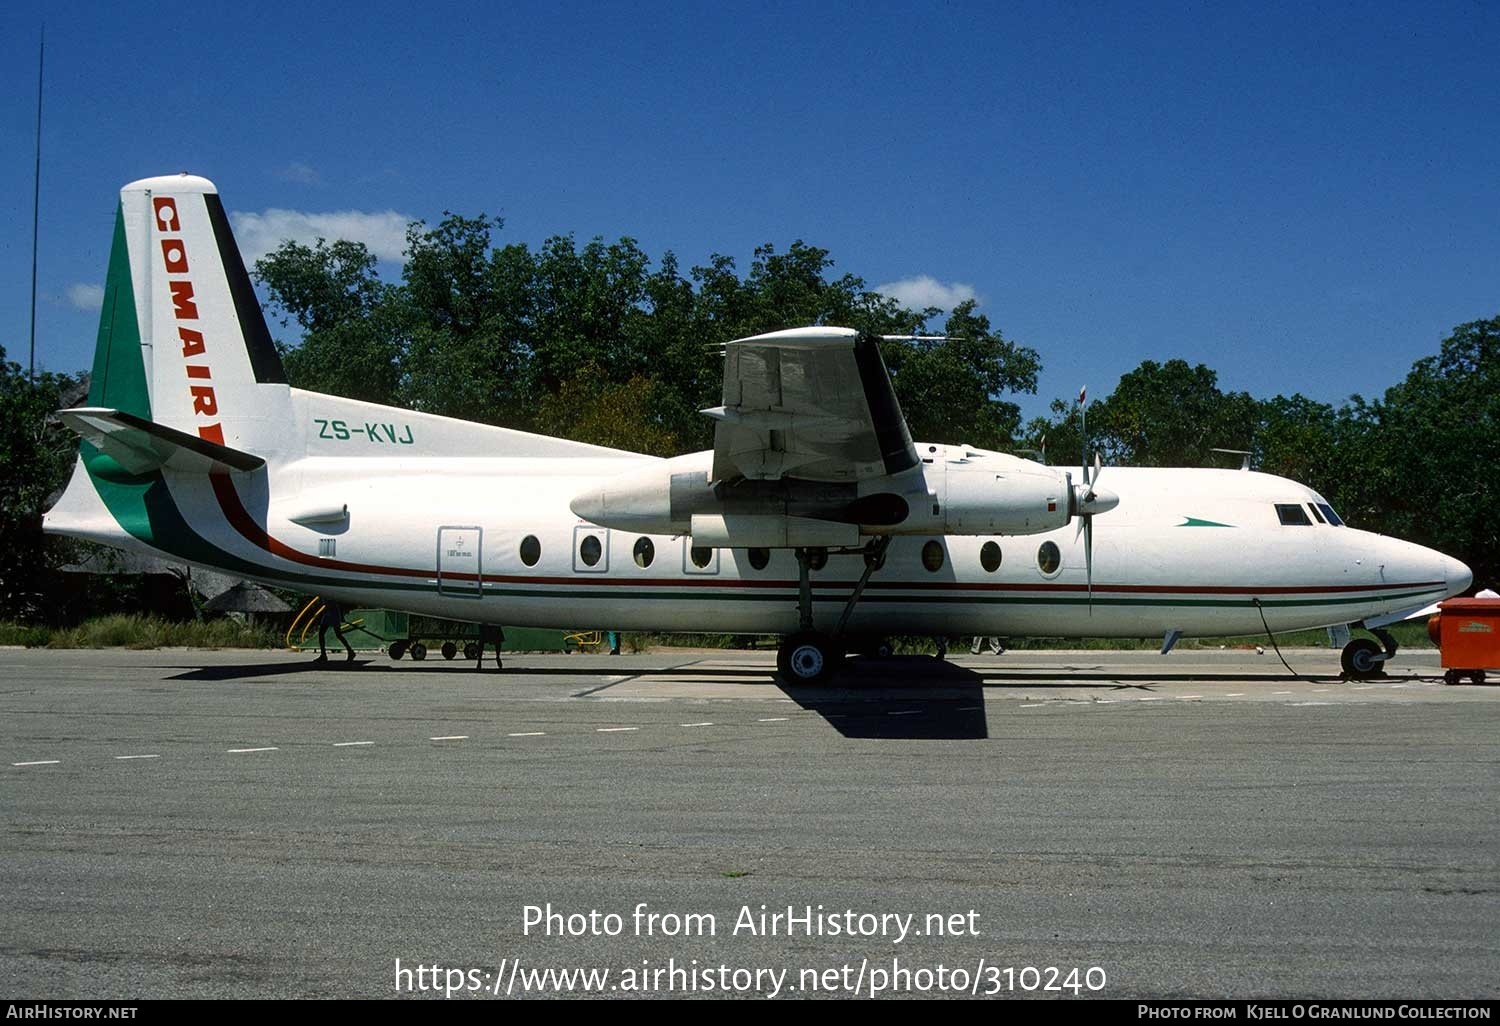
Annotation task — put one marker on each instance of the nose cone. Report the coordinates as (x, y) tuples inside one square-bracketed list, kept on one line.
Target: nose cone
[(1458, 576), (1103, 501)]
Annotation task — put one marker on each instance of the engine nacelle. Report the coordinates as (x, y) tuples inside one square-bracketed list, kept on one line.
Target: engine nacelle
[(954, 490), (994, 494)]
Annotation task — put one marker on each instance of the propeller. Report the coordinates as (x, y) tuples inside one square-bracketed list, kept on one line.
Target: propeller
[(1090, 500)]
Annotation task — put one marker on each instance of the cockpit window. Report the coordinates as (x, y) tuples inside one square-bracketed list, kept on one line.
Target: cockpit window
[(1292, 514), (1330, 515), (1316, 515)]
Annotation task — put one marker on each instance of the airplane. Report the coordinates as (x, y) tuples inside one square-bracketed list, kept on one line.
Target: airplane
[(815, 517)]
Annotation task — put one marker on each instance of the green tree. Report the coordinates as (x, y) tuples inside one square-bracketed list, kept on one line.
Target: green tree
[(36, 455), (351, 345)]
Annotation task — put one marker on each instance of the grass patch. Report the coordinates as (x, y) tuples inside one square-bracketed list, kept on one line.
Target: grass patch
[(20, 634), (136, 631)]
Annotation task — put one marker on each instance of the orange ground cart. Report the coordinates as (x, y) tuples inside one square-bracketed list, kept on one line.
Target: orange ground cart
[(1467, 633)]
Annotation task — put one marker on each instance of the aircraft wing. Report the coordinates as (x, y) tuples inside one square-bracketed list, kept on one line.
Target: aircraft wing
[(810, 403), (141, 445)]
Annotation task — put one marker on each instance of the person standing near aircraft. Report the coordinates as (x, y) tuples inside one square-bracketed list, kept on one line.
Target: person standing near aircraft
[(331, 616)]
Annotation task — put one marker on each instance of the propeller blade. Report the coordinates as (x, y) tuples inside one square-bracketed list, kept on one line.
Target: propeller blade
[(1088, 556)]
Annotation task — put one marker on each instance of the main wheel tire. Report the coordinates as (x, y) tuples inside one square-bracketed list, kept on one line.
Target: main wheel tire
[(1453, 677), (471, 651), (808, 658), (419, 651), (1477, 676), (397, 649), (1359, 659), (449, 650)]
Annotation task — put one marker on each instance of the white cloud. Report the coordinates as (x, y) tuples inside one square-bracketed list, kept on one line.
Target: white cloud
[(86, 297), (302, 174), (384, 232), (924, 290)]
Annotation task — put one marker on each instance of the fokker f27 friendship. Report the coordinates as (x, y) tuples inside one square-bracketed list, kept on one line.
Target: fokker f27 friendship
[(815, 517)]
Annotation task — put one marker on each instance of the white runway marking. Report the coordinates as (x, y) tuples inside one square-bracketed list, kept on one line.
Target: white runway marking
[(1150, 698), (352, 744), (905, 712), (970, 708), (1235, 694), (529, 733), (242, 751), (123, 757), (772, 719), (614, 730), (450, 737), (1189, 696), (1038, 705), (705, 723), (1281, 692), (39, 762)]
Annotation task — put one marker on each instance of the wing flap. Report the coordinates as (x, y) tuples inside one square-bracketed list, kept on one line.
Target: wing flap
[(141, 446), (811, 403)]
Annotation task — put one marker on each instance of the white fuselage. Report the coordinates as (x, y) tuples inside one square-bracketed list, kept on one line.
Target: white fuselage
[(1186, 550)]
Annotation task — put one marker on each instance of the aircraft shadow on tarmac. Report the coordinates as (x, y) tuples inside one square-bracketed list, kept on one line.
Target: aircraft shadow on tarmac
[(282, 669), (907, 697)]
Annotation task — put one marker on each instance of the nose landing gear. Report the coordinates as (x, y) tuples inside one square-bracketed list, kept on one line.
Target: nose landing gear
[(1363, 659)]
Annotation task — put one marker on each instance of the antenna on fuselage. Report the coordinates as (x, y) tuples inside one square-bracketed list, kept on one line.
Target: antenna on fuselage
[(1244, 455)]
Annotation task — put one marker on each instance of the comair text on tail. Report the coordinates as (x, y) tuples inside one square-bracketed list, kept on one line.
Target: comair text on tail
[(816, 515)]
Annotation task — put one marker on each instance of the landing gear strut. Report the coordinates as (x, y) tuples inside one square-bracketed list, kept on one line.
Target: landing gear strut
[(1363, 659), (811, 656)]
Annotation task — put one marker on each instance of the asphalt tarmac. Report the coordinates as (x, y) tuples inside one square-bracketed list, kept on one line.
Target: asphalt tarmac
[(244, 824)]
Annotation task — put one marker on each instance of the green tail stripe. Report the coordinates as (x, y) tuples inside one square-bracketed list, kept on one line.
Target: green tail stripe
[(119, 375)]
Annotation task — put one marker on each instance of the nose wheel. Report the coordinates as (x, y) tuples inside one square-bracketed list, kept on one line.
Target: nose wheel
[(1364, 659)]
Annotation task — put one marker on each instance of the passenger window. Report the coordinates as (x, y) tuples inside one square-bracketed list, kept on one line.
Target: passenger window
[(759, 558), (932, 556), (531, 550), (817, 559), (1292, 514), (644, 552), (989, 557), (1048, 558)]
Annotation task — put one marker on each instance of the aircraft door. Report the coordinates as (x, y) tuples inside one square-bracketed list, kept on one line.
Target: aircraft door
[(458, 564)]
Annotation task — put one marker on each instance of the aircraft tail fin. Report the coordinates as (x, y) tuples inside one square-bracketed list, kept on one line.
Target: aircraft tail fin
[(182, 341)]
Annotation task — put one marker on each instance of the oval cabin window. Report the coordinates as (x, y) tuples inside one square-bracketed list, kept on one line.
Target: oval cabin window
[(531, 550)]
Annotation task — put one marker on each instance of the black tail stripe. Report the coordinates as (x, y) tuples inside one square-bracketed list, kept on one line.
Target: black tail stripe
[(264, 359)]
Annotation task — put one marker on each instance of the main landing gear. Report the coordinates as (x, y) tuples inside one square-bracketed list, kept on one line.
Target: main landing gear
[(1363, 659), (810, 656)]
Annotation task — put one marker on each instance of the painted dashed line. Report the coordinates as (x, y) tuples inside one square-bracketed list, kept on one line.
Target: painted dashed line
[(38, 762), (1150, 698), (773, 719), (529, 733), (1037, 705), (450, 737), (1281, 692), (905, 712), (705, 723), (1189, 696), (243, 751), (352, 744), (1235, 694), (614, 730), (122, 758), (970, 708)]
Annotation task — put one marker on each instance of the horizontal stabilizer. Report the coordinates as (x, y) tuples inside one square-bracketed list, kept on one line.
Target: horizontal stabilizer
[(141, 446)]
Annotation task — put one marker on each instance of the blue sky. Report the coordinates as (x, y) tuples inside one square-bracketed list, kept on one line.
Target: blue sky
[(1305, 198)]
